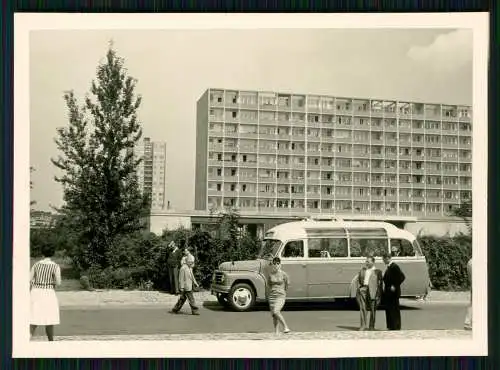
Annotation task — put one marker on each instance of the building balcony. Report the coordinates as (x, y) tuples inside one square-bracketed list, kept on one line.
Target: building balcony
[(451, 186), (467, 133), (214, 177), (248, 135), (248, 149), (267, 195), (360, 169), (364, 184), (330, 182), (450, 159), (434, 186), (377, 156), (314, 139), (341, 155), (449, 145), (248, 164), (267, 180), (267, 136), (244, 178), (377, 184), (433, 171), (390, 170), (270, 151), (465, 173), (418, 185), (248, 194), (325, 196), (310, 181), (419, 171), (267, 165), (465, 159), (341, 182), (212, 192), (340, 140), (215, 147), (313, 124), (283, 195), (297, 180), (343, 197), (215, 162), (465, 186), (405, 129)]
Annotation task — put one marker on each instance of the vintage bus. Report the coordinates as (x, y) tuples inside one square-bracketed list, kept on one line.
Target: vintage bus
[(321, 258)]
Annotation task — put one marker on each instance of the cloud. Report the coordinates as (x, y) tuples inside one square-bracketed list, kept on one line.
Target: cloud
[(449, 51)]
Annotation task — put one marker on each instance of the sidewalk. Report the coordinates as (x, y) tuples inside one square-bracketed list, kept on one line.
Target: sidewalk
[(123, 298), (338, 335)]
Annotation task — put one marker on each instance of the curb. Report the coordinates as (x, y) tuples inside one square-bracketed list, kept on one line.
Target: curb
[(338, 335)]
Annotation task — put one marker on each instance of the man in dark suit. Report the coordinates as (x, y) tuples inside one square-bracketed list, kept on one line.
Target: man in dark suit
[(393, 278), (173, 262)]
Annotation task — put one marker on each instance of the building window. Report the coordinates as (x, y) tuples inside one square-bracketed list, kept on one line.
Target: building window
[(219, 187), (219, 172)]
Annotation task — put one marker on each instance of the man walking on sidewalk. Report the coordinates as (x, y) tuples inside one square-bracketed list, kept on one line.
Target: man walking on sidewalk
[(186, 283)]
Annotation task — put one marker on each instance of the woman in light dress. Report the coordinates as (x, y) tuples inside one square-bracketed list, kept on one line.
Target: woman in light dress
[(277, 285), (44, 306)]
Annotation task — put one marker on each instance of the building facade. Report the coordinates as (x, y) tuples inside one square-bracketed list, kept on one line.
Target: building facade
[(151, 172), (292, 153), (41, 219)]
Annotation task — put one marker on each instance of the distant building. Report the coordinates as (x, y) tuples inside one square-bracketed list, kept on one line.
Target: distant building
[(40, 219), (272, 152), (152, 171)]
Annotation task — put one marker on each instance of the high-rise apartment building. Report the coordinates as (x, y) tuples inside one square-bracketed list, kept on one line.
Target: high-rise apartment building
[(276, 152), (152, 170)]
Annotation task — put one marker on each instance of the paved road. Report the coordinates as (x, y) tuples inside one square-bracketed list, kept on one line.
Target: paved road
[(215, 319)]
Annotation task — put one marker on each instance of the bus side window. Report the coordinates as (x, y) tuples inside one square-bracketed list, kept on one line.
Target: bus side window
[(356, 249), (337, 247), (293, 249), (402, 248)]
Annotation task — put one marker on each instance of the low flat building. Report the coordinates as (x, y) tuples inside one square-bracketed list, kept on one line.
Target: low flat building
[(257, 223)]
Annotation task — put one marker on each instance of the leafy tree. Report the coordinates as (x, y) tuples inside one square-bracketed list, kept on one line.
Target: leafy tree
[(101, 192), (464, 211)]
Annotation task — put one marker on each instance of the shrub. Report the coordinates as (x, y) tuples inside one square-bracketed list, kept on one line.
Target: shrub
[(447, 259)]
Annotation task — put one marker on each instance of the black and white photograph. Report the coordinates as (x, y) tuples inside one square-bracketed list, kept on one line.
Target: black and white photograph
[(274, 185)]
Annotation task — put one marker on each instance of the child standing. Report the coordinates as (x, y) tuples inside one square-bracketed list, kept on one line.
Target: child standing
[(186, 283)]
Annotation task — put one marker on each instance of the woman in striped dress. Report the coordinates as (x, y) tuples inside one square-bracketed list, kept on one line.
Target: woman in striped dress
[(277, 285), (45, 275)]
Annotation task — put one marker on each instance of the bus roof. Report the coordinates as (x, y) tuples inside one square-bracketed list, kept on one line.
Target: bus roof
[(299, 229)]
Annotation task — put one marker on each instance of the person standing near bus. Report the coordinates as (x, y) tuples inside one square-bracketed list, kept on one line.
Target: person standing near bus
[(276, 287), (468, 316), (393, 278), (368, 283)]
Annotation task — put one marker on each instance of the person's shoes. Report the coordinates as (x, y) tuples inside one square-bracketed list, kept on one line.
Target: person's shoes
[(174, 312), (467, 327), (196, 313), (287, 330), (362, 329)]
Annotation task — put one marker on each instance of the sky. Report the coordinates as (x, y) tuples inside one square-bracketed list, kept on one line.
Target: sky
[(175, 67)]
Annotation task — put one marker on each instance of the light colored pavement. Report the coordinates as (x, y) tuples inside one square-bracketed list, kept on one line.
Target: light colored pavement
[(123, 298), (338, 335)]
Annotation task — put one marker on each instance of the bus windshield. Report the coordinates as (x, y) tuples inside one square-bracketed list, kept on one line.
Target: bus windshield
[(269, 248)]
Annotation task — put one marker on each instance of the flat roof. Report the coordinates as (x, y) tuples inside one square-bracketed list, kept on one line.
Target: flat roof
[(299, 216)]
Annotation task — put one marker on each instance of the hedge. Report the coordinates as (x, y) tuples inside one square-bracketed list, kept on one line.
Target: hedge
[(139, 261), (447, 259)]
